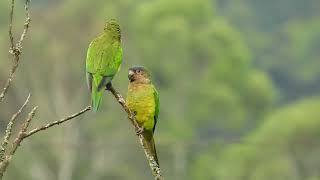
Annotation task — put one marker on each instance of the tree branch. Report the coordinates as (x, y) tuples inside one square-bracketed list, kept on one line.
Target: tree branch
[(8, 133), (15, 49), (21, 135), (25, 26), (5, 155), (11, 25), (156, 171), (44, 127)]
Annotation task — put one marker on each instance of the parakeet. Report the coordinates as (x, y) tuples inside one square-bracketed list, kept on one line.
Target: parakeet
[(143, 101), (104, 58)]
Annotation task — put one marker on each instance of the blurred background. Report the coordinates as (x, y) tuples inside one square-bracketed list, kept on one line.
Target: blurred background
[(239, 84)]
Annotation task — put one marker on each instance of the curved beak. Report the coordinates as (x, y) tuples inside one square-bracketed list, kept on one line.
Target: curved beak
[(130, 75)]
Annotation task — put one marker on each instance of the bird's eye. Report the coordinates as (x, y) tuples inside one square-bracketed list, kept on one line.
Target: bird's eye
[(138, 71)]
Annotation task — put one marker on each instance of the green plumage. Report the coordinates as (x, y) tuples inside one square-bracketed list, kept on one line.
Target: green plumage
[(104, 57), (143, 100)]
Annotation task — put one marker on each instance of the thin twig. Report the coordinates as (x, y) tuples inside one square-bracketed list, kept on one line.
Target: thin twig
[(21, 135), (8, 133), (26, 25), (22, 132), (156, 171), (11, 25), (9, 80), (15, 49), (42, 128)]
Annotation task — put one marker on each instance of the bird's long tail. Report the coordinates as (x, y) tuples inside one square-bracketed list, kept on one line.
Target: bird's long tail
[(96, 97), (96, 93), (150, 144)]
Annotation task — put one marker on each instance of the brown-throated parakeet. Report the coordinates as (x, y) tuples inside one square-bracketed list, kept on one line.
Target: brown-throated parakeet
[(104, 57), (143, 101)]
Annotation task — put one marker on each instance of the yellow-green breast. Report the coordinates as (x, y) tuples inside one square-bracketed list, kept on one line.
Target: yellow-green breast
[(140, 99)]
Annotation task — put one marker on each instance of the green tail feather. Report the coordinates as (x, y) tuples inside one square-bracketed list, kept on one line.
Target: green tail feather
[(96, 97)]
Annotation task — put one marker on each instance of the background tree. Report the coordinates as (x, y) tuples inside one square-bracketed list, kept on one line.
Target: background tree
[(222, 68)]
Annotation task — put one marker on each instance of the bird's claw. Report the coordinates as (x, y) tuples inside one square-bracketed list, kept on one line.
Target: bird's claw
[(108, 86), (135, 113), (139, 131)]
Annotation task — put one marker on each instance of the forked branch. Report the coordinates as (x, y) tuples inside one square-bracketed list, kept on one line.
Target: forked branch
[(23, 134), (8, 132), (49, 125), (15, 49)]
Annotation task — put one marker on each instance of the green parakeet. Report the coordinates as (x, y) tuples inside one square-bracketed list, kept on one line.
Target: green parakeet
[(143, 101), (104, 57)]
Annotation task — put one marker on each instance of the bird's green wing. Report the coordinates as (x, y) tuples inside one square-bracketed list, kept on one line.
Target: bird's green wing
[(91, 53), (112, 60), (157, 106), (103, 57)]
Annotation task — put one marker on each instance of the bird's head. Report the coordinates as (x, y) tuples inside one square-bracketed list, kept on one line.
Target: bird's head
[(113, 27), (139, 74)]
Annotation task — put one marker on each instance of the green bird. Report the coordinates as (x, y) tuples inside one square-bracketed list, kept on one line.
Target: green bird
[(143, 101), (104, 58)]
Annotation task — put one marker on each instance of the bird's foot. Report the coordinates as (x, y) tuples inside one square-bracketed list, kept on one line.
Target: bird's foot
[(109, 86), (139, 131)]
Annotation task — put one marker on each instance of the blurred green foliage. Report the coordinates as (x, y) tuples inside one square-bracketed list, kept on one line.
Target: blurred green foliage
[(286, 146), (224, 70)]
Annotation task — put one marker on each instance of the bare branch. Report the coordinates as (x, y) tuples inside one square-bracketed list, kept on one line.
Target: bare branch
[(8, 133), (23, 134), (156, 171), (15, 50), (5, 89), (42, 128), (10, 26), (26, 25), (23, 130), (4, 164)]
